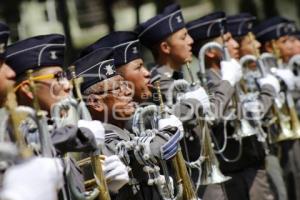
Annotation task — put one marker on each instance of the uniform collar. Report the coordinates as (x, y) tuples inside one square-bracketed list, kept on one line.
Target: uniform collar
[(166, 71), (216, 72), (170, 73)]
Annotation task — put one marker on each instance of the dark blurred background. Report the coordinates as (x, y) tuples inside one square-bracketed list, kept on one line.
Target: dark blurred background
[(85, 21)]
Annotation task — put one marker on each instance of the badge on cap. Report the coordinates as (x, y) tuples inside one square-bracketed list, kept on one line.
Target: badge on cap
[(134, 50), (109, 70), (53, 55), (179, 19)]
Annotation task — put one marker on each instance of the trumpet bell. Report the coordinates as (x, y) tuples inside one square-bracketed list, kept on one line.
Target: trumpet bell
[(285, 134), (213, 176), (246, 129), (295, 122), (297, 133)]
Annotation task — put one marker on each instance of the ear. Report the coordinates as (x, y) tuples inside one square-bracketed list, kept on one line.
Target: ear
[(268, 47), (25, 90), (121, 69), (94, 102), (212, 53), (164, 47)]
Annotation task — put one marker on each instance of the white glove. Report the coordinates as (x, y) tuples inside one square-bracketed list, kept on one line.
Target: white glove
[(199, 95), (96, 128), (115, 173), (287, 76), (38, 178), (172, 120), (231, 71), (270, 80), (165, 189)]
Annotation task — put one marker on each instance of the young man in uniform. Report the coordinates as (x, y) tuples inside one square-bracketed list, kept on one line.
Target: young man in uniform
[(171, 45), (18, 181)]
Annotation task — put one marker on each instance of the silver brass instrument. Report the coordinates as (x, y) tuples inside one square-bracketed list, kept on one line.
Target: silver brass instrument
[(69, 111), (202, 76), (181, 173), (210, 172), (295, 60), (207, 163), (245, 129), (294, 64)]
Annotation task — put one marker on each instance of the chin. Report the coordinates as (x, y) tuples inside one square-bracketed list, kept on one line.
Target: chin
[(125, 111), (145, 95), (189, 58)]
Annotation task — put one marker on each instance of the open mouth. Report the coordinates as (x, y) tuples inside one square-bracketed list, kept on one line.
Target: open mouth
[(150, 85)]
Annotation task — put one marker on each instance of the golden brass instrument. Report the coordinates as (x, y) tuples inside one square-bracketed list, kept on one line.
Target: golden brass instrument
[(181, 173), (41, 120), (15, 119)]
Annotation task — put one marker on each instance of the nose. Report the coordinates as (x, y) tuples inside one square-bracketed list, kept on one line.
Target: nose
[(190, 39), (234, 43), (67, 87), (257, 44), (128, 91), (146, 72)]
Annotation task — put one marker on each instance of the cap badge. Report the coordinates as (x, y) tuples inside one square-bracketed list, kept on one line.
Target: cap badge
[(134, 50), (53, 55), (179, 20), (109, 70)]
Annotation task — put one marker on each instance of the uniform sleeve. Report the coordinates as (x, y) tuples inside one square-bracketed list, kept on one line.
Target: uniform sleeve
[(266, 97), (220, 93), (72, 139)]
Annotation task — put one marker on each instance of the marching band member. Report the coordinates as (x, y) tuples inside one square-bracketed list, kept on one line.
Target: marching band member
[(21, 181)]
